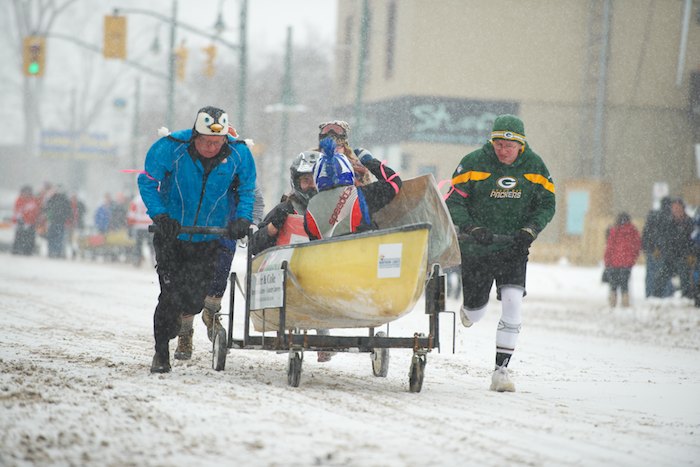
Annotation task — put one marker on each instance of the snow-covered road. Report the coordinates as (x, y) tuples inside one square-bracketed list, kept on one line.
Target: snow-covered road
[(594, 386)]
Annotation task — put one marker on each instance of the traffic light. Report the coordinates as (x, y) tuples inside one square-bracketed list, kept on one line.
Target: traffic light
[(209, 69), (180, 62), (34, 54), (114, 37)]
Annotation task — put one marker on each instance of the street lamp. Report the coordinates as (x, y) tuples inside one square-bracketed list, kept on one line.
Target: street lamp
[(220, 26), (285, 107)]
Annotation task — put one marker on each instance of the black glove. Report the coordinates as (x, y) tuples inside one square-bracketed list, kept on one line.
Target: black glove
[(523, 238), (279, 214), (238, 228), (481, 235), (168, 227)]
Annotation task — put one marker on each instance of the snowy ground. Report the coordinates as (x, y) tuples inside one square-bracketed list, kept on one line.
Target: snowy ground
[(594, 386)]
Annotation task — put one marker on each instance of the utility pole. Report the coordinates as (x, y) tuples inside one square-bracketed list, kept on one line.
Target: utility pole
[(243, 64), (135, 124), (170, 115), (362, 57), (287, 102)]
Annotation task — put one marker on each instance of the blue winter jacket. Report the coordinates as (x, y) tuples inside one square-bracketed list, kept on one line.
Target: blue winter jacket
[(174, 183)]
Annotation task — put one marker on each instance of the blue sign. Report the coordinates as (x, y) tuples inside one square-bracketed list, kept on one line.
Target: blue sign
[(76, 145)]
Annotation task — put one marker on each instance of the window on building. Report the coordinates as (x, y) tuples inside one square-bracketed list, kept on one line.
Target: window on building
[(390, 40)]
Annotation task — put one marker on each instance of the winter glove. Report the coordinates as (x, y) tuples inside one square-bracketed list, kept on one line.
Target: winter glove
[(279, 214), (691, 260), (238, 229), (523, 238), (364, 155), (168, 227), (481, 235)]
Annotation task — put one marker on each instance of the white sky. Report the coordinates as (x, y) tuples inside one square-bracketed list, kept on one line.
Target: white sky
[(267, 20)]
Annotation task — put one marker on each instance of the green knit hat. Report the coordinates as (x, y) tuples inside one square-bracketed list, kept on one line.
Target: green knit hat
[(508, 127)]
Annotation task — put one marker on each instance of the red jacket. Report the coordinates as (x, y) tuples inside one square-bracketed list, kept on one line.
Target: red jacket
[(623, 246), (27, 210)]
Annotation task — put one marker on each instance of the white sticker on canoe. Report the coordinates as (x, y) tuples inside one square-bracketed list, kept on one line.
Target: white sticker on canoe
[(389, 260)]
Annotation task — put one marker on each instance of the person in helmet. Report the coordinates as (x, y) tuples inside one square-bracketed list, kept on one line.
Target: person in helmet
[(339, 131), (301, 179), (343, 206)]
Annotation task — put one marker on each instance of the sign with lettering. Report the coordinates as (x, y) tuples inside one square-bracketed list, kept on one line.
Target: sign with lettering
[(431, 119), (266, 290), (76, 145), (389, 260)]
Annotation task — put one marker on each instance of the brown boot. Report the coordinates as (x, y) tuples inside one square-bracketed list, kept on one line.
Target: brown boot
[(184, 346), (625, 300), (184, 339), (612, 298), (212, 305)]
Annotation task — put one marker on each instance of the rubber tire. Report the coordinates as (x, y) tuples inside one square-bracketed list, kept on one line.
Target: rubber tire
[(416, 373), (219, 350), (380, 359), (294, 370)]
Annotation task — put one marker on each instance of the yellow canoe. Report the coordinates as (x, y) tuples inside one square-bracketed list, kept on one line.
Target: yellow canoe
[(353, 281)]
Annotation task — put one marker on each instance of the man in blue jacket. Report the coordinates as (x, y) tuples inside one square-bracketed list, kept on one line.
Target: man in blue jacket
[(189, 181)]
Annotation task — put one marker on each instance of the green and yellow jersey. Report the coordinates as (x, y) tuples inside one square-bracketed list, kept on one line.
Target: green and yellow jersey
[(500, 197)]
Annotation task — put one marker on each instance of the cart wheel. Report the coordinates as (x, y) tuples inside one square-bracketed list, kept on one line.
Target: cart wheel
[(415, 375), (380, 359), (219, 349), (294, 369)]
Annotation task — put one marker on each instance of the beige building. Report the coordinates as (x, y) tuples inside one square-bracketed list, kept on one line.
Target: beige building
[(603, 86)]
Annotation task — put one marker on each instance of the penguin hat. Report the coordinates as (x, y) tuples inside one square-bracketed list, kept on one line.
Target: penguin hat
[(211, 121)]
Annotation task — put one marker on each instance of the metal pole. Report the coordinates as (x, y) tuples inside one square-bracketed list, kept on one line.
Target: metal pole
[(599, 125), (135, 124), (287, 102), (684, 42), (243, 63), (169, 117), (364, 30)]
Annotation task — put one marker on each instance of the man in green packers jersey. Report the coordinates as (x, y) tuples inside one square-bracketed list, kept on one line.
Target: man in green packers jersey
[(502, 189)]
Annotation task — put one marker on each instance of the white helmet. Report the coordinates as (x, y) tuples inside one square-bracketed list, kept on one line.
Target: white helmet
[(303, 164)]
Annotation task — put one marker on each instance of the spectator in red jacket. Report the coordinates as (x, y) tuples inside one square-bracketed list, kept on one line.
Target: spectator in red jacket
[(26, 212), (621, 252)]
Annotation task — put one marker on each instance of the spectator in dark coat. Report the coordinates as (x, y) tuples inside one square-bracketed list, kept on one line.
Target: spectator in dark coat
[(58, 212), (651, 239), (621, 252), (676, 250)]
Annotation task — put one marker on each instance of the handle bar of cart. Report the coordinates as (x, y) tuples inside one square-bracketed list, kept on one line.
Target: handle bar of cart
[(195, 229)]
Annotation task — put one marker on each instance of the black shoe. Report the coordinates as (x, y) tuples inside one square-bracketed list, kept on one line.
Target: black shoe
[(161, 363)]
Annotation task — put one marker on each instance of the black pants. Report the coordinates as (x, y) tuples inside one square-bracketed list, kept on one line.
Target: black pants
[(673, 266), (480, 272), (25, 240), (185, 271), (619, 278)]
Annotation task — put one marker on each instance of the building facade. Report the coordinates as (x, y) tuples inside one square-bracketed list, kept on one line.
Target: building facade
[(603, 86)]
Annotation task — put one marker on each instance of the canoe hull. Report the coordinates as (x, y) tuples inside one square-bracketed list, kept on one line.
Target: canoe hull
[(361, 280)]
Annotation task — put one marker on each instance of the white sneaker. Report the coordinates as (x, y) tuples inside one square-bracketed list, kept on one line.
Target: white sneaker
[(500, 380), (466, 322)]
